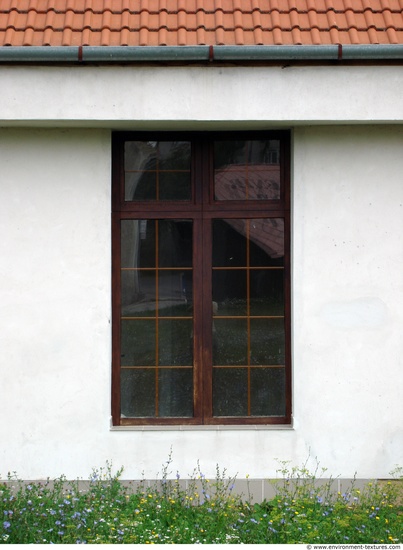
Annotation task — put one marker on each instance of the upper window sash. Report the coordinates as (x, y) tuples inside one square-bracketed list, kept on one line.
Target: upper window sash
[(223, 171)]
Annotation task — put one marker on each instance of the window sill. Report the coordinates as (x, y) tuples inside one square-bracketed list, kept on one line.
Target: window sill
[(207, 427)]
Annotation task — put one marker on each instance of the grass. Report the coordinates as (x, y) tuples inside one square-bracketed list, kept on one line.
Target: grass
[(303, 510)]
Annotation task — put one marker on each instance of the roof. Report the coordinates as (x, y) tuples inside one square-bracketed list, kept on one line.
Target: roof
[(199, 22)]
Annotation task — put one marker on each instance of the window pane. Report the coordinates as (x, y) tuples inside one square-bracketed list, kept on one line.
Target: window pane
[(175, 342), (266, 292), (267, 392), (229, 243), (230, 342), (230, 292), (247, 170), (138, 339), (157, 170), (137, 392), (175, 243), (173, 293), (230, 392), (138, 293), (175, 392), (267, 342), (138, 243), (266, 237)]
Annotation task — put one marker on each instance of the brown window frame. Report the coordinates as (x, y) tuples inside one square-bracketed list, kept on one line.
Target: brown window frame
[(202, 206)]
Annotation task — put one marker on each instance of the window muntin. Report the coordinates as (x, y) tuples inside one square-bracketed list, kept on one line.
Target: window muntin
[(201, 330)]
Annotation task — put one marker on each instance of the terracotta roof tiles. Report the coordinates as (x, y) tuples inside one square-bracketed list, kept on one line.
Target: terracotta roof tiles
[(204, 22)]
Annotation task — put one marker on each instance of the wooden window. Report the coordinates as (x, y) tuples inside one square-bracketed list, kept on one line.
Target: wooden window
[(201, 278)]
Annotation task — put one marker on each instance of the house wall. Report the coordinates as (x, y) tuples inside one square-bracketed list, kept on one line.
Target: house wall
[(55, 267), (209, 96)]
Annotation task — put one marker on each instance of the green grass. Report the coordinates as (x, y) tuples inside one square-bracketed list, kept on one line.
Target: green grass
[(206, 511)]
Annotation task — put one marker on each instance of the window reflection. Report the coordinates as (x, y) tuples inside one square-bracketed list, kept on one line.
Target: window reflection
[(247, 170), (157, 170)]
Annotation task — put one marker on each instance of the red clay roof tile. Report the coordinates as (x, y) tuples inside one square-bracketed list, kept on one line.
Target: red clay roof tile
[(192, 22)]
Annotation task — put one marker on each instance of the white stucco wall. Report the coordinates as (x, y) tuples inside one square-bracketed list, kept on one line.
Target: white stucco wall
[(161, 97), (55, 301)]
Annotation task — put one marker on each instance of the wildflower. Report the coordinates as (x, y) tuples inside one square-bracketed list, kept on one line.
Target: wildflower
[(6, 524)]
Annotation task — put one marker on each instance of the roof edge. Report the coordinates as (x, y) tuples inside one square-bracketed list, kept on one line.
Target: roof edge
[(144, 54)]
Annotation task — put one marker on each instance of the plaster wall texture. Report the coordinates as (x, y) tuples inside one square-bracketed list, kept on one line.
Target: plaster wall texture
[(55, 332), (207, 95)]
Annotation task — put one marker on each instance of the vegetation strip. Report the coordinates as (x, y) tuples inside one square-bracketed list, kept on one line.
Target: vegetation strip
[(304, 510)]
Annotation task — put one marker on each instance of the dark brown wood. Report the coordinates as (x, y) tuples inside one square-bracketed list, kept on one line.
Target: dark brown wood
[(116, 313), (198, 320), (202, 209), (207, 328)]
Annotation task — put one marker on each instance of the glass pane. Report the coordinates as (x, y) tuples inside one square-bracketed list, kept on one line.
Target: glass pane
[(230, 392), (138, 293), (229, 292), (266, 236), (172, 299), (137, 392), (267, 342), (266, 292), (175, 342), (229, 243), (137, 342), (175, 392), (157, 170), (175, 243), (138, 243), (267, 392), (174, 186), (230, 342), (247, 170)]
